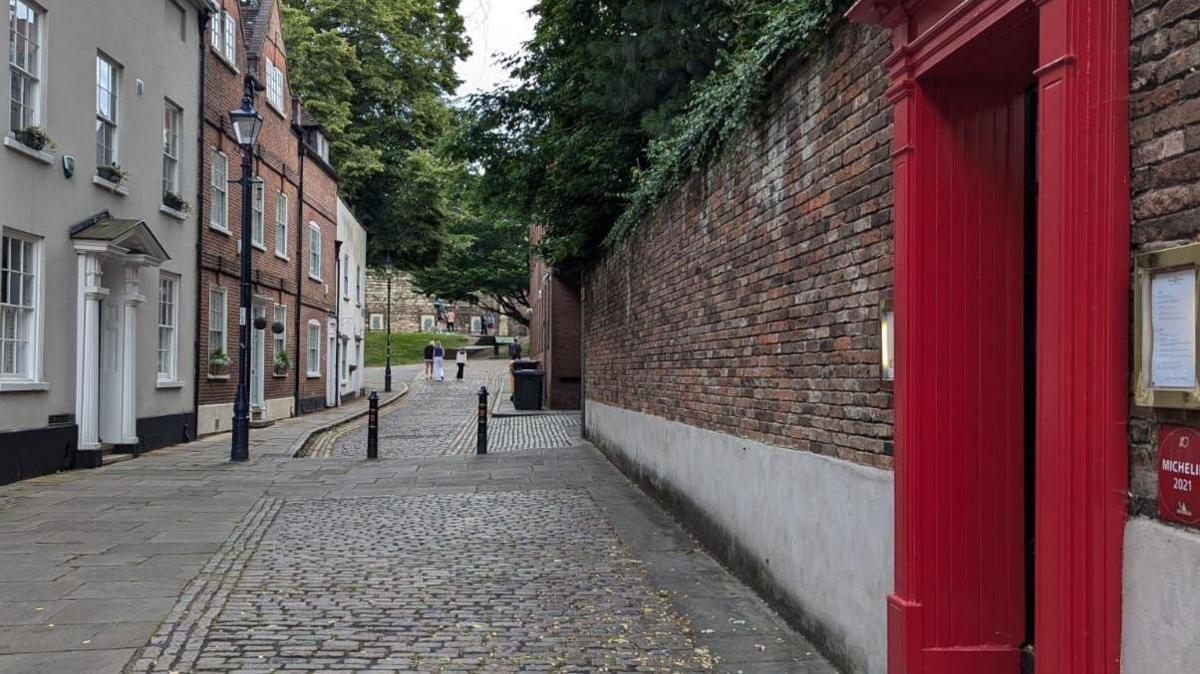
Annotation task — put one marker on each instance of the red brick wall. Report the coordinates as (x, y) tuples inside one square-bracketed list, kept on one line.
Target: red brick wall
[(1164, 110), (277, 163), (554, 331), (749, 305), (565, 369)]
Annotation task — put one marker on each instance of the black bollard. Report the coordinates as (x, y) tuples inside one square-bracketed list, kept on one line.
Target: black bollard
[(373, 426), (481, 440)]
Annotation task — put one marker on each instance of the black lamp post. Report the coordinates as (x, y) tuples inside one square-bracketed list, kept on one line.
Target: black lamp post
[(387, 368), (246, 124)]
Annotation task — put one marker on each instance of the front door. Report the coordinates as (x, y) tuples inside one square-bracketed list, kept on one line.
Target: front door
[(258, 349), (1011, 299), (331, 373)]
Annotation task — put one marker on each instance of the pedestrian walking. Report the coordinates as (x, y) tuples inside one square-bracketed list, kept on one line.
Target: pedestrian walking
[(514, 349), (439, 355), (429, 360), (460, 359), (450, 320)]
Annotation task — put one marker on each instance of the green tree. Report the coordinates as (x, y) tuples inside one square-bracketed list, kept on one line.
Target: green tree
[(599, 81), (485, 260), (378, 74)]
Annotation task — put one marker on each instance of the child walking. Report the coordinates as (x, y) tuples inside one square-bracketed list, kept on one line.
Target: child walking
[(439, 353)]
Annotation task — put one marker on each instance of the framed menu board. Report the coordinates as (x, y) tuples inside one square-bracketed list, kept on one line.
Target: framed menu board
[(1166, 289)]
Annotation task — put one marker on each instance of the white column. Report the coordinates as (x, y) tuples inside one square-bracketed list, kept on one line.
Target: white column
[(129, 355), (87, 350)]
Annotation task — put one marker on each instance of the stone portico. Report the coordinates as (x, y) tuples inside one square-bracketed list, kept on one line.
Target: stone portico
[(111, 252)]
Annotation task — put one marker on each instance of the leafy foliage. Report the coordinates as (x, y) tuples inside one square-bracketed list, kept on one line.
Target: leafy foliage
[(377, 75), (722, 104), (620, 101), (599, 80), (485, 260)]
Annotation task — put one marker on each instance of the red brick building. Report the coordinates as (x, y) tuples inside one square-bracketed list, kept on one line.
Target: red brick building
[(555, 331), (294, 220)]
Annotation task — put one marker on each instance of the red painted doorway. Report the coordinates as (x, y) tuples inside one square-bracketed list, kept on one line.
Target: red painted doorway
[(1012, 325)]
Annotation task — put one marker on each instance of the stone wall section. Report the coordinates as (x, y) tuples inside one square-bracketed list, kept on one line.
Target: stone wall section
[(409, 305)]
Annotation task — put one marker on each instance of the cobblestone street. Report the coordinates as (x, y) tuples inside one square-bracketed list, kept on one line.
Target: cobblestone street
[(429, 560), (438, 418)]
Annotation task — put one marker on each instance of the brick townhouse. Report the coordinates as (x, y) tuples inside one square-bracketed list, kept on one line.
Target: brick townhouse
[(294, 221), (997, 181), (554, 330)]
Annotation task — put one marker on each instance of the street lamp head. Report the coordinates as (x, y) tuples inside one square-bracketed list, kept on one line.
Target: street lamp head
[(246, 124), (388, 265)]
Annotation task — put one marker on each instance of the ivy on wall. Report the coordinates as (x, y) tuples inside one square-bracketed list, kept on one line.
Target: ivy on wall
[(724, 103)]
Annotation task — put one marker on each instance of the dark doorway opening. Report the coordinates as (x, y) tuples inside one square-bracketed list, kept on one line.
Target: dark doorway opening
[(1030, 364)]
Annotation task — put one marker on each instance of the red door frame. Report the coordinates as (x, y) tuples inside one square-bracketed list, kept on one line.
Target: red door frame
[(1082, 331)]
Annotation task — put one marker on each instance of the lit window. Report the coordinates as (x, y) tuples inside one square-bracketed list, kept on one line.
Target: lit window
[(256, 213), (108, 76), (281, 225), (216, 320), (24, 63), (314, 251), (18, 306), (168, 328), (314, 349), (219, 218), (172, 117)]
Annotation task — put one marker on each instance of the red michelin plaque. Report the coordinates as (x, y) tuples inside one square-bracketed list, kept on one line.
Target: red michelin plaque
[(1179, 474)]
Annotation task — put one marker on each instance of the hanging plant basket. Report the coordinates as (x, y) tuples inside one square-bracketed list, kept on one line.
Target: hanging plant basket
[(260, 323), (277, 327)]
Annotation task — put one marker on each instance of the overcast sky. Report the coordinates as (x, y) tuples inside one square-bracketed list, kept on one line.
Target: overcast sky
[(494, 26)]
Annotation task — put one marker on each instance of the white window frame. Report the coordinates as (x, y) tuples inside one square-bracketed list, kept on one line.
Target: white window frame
[(213, 292), (312, 363), (168, 309), (274, 86), (108, 154), (279, 342), (345, 276), (314, 251), (224, 28), (218, 218), (172, 116), (30, 378), (30, 74), (281, 225), (258, 216), (362, 284)]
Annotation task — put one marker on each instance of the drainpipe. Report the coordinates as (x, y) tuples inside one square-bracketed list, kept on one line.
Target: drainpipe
[(302, 227), (583, 286), (205, 18), (337, 322)]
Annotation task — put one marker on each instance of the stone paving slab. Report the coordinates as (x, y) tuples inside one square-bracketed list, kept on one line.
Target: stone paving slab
[(441, 541)]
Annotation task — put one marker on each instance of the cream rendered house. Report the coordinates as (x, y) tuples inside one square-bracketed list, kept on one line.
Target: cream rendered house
[(352, 307), (97, 276)]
